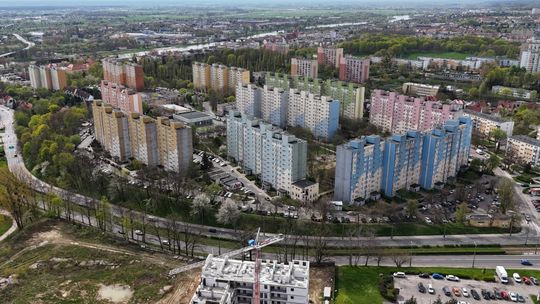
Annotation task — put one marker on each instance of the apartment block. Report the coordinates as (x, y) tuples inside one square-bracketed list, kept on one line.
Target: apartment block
[(398, 113), (248, 99), (524, 149), (304, 67), (58, 78), (160, 142), (445, 151), (319, 114), (262, 149), (121, 97), (368, 165), (515, 92), (237, 75), (201, 75), (330, 56), (354, 69), (227, 281), (219, 78), (530, 58), (359, 169), (274, 106), (484, 123), (130, 75), (420, 89), (350, 95), (47, 77), (35, 77)]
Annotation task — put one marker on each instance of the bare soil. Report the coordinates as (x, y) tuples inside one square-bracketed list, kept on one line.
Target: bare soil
[(319, 278)]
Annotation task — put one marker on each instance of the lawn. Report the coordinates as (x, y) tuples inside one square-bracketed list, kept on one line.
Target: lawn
[(5, 224), (447, 55), (359, 285)]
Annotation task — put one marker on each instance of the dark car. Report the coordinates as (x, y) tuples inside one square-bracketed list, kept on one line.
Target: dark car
[(421, 288), (520, 298), (491, 295), (437, 276), (485, 295), (534, 280), (446, 291), (526, 262), (497, 294), (475, 294), (424, 275)]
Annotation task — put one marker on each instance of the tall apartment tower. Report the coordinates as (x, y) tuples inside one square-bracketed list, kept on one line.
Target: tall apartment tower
[(319, 114), (134, 76), (130, 75), (237, 75), (248, 99), (329, 56), (530, 58), (350, 96), (359, 169), (175, 145), (274, 106), (121, 97), (112, 130), (45, 76), (143, 140), (35, 76), (219, 78), (354, 69), (201, 75), (58, 78), (304, 67)]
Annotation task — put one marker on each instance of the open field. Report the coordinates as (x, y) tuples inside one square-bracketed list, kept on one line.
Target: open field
[(54, 262), (447, 55), (360, 285), (5, 224)]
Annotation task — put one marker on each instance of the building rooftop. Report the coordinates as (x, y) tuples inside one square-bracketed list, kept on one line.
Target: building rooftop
[(526, 139), (487, 116), (304, 183), (194, 115)]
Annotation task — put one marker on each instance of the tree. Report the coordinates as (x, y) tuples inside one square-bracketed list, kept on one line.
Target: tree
[(492, 163), (15, 196), (398, 256), (103, 213), (506, 195), (412, 300), (498, 135), (412, 208), (461, 212), (438, 300), (228, 213), (200, 204)]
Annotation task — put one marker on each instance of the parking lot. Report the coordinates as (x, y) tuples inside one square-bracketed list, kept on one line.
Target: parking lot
[(408, 287)]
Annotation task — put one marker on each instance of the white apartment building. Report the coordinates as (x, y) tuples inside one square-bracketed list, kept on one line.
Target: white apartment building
[(420, 89), (248, 99), (228, 281), (274, 106), (35, 76), (484, 123), (524, 149), (530, 58), (236, 76), (304, 67)]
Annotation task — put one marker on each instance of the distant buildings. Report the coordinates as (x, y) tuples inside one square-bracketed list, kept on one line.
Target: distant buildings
[(524, 149), (218, 77), (50, 78), (484, 123), (398, 113), (118, 96), (278, 47), (354, 69), (350, 95), (514, 92), (304, 67), (277, 158), (420, 89), (226, 281), (530, 58), (370, 164), (153, 142), (130, 75), (330, 56)]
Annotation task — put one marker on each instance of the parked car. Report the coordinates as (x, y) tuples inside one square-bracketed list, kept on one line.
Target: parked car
[(520, 298), (513, 297), (421, 288), (437, 276), (526, 262), (446, 291), (465, 292), (497, 294), (452, 278), (485, 295), (399, 274), (505, 295), (475, 294), (516, 277), (534, 280), (424, 275), (526, 280), (138, 232), (456, 291), (430, 289)]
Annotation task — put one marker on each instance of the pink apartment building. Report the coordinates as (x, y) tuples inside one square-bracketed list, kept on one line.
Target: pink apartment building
[(398, 113), (121, 97)]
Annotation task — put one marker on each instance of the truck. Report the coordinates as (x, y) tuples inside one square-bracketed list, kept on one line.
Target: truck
[(502, 274)]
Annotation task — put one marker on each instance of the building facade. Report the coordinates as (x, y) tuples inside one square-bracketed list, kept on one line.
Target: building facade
[(47, 77), (130, 75), (420, 89), (274, 105), (304, 67), (354, 69), (484, 123), (330, 56), (319, 114), (218, 77), (201, 75), (121, 97), (248, 99), (524, 149), (398, 113), (530, 58), (112, 131), (283, 283)]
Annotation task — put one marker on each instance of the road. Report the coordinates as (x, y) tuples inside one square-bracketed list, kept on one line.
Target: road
[(28, 46), (18, 168), (13, 227)]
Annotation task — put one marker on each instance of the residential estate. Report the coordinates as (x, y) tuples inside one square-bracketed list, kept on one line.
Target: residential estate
[(484, 123)]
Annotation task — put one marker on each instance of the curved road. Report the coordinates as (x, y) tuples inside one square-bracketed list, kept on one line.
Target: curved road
[(16, 165), (11, 229), (20, 38)]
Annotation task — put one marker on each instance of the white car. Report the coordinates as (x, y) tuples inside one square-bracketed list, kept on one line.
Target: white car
[(513, 297), (165, 242), (465, 292), (138, 232), (516, 277), (428, 220), (399, 274), (430, 289), (452, 277)]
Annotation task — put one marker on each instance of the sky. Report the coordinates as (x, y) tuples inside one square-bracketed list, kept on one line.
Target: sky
[(156, 3)]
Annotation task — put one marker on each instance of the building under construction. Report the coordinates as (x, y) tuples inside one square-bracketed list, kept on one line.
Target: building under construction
[(228, 281)]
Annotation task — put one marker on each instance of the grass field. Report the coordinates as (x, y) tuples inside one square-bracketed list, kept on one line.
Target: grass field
[(5, 224), (359, 285), (447, 55)]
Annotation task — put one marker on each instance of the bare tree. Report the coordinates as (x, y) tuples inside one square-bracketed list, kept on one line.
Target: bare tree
[(398, 256)]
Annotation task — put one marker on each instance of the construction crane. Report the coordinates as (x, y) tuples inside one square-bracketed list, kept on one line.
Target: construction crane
[(252, 245)]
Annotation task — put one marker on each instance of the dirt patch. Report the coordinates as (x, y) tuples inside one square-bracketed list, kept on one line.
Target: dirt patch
[(184, 288), (319, 278), (115, 293)]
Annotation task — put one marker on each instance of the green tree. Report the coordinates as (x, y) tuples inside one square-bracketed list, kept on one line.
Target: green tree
[(492, 163), (506, 195), (498, 135), (461, 212)]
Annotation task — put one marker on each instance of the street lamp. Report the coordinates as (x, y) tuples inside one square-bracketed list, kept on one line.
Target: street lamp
[(410, 257), (474, 255)]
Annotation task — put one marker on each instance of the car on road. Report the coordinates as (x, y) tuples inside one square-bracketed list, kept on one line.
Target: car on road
[(421, 288), (456, 291), (446, 291), (212, 230), (11, 147), (138, 232), (465, 292), (165, 242), (526, 262), (516, 277), (437, 276), (424, 275), (399, 274), (475, 294), (14, 155), (513, 297), (430, 289), (452, 278)]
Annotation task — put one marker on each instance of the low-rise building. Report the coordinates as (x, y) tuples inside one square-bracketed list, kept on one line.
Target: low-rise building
[(485, 123), (514, 92), (194, 118), (524, 149), (420, 89), (305, 191)]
